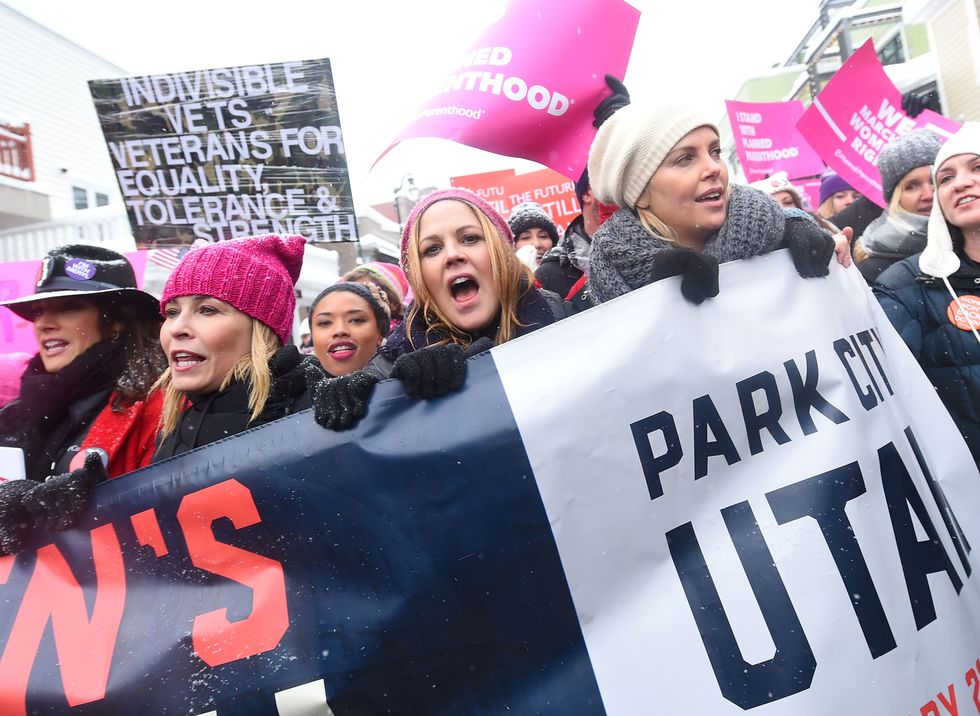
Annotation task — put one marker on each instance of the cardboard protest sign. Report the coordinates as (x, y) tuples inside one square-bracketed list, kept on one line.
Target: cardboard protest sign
[(507, 96), (506, 189), (856, 114), (227, 152), (767, 140), (735, 509)]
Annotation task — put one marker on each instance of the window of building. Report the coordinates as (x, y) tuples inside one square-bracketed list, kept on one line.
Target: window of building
[(80, 196), (893, 52), (101, 199)]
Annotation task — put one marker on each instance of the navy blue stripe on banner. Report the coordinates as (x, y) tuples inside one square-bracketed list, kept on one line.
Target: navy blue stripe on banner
[(420, 572)]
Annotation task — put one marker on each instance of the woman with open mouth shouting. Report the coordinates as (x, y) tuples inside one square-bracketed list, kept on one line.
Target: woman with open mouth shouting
[(228, 316), (86, 410), (933, 298), (678, 214), (471, 293)]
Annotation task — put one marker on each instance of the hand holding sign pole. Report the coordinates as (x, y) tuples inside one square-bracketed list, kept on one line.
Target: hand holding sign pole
[(510, 98)]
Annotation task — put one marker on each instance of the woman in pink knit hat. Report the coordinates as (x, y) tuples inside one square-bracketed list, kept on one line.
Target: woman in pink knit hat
[(228, 316), (471, 293)]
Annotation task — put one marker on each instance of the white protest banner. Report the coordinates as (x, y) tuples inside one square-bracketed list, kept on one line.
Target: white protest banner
[(219, 153), (760, 504)]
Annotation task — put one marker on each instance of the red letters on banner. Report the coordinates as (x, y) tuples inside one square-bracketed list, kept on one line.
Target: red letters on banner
[(216, 640), (85, 644)]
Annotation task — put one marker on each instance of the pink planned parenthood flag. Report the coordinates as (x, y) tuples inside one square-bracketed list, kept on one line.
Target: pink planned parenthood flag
[(511, 95), (856, 114), (767, 140)]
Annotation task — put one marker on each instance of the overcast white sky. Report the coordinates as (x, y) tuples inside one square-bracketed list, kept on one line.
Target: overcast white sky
[(389, 56)]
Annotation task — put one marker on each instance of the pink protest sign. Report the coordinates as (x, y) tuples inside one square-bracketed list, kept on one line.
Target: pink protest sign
[(509, 97), (767, 140), (17, 278), (856, 114)]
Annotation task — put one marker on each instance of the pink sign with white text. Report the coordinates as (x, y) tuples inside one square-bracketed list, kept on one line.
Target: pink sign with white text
[(514, 96), (18, 278), (767, 140), (856, 114)]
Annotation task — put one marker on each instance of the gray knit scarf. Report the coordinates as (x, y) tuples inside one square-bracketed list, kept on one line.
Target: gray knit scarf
[(895, 235), (623, 251)]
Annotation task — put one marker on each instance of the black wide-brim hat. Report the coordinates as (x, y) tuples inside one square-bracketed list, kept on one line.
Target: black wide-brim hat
[(84, 270)]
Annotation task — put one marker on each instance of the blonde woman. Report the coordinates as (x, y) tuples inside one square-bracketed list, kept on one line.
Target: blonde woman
[(471, 293), (906, 182), (228, 315), (678, 215)]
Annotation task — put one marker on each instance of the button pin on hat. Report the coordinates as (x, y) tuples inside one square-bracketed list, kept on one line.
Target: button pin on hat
[(79, 269)]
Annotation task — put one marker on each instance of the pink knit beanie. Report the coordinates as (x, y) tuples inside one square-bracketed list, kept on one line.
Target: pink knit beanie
[(463, 195), (256, 275), (393, 275)]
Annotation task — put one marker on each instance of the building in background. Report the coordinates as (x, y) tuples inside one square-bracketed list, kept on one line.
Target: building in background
[(904, 47), (44, 98), (953, 28)]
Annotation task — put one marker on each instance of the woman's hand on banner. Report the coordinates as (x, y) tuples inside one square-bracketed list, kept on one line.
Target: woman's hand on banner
[(58, 502), (15, 521), (339, 403), (698, 272), (810, 246)]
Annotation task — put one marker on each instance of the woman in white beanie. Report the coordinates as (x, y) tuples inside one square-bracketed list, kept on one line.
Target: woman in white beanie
[(933, 298), (678, 215)]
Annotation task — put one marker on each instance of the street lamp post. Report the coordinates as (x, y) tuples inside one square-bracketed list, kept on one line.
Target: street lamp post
[(406, 189)]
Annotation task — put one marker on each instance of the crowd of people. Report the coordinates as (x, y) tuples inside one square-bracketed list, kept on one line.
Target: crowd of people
[(122, 379)]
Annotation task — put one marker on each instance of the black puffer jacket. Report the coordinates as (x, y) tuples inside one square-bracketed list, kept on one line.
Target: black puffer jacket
[(917, 306), (214, 416), (563, 266)]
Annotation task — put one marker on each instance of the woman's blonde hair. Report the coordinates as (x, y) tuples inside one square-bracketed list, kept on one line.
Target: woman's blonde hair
[(652, 223), (511, 278), (252, 367), (826, 209), (895, 203)]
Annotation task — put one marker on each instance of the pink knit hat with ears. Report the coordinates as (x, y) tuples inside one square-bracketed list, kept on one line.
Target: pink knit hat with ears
[(463, 195), (256, 275)]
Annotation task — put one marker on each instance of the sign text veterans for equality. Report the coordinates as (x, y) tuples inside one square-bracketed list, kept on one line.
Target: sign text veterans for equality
[(226, 152)]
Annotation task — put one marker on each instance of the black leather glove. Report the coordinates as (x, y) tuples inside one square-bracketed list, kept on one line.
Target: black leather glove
[(699, 272), (619, 98), (58, 502), (434, 371), (15, 521), (913, 103), (810, 246), (338, 403)]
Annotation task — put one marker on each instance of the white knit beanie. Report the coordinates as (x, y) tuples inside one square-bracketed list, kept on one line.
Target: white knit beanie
[(632, 144), (939, 259)]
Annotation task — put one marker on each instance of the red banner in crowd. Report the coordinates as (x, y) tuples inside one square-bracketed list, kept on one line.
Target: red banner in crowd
[(505, 189), (509, 97)]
